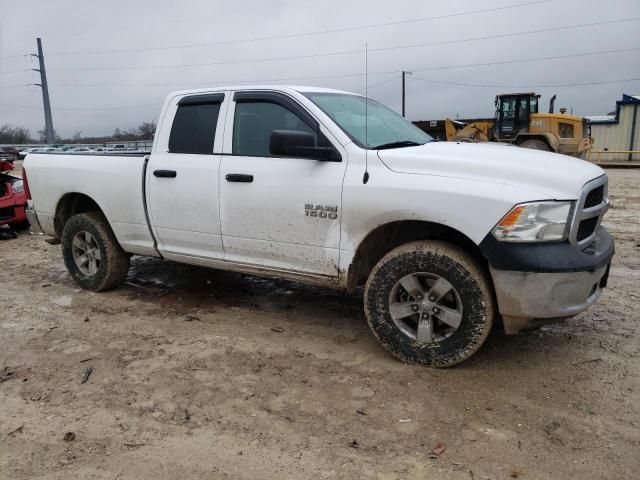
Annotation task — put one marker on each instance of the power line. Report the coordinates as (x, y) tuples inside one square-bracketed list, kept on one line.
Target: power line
[(146, 105), (14, 56), (419, 69), (350, 75), (353, 52), (557, 85), (156, 104), (225, 82), (526, 60), (396, 77), (505, 35), (208, 64), (15, 71), (307, 34), (18, 106)]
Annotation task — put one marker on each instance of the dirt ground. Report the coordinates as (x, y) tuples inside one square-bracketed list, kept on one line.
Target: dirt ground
[(201, 374)]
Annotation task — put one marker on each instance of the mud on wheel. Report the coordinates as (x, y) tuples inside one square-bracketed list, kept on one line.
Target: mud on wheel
[(91, 252), (430, 303)]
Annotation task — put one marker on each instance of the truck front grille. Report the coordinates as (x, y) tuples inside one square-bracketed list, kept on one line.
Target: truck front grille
[(586, 228), (590, 208), (594, 197)]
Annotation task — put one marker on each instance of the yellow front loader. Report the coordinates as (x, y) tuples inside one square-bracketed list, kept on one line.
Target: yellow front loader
[(517, 121)]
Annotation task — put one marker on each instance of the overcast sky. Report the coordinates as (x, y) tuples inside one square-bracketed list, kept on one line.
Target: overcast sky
[(97, 92)]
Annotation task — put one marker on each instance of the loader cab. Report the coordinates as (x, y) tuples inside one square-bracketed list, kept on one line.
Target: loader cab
[(512, 114)]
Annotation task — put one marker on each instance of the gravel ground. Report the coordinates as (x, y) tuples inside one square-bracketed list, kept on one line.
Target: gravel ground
[(198, 373)]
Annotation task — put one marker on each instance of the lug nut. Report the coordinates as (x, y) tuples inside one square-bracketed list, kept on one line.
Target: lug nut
[(432, 298), (415, 308), (419, 297), (436, 310)]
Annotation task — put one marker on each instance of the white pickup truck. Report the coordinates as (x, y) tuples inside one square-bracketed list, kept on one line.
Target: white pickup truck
[(301, 183)]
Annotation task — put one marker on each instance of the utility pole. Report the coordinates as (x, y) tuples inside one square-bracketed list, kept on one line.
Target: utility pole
[(403, 91), (48, 121)]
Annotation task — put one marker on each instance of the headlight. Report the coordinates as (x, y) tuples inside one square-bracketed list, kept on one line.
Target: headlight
[(18, 186), (535, 222)]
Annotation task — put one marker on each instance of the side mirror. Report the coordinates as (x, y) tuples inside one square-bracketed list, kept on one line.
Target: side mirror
[(293, 143)]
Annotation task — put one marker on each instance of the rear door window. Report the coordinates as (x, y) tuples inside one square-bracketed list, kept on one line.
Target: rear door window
[(194, 128)]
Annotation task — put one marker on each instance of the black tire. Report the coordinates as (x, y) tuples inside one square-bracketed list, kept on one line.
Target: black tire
[(21, 226), (535, 144), (114, 262), (464, 274)]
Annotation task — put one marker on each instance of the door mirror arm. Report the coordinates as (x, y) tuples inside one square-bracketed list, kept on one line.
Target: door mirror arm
[(325, 154), (293, 143)]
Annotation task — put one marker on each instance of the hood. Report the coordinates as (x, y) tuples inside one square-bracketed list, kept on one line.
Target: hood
[(555, 176)]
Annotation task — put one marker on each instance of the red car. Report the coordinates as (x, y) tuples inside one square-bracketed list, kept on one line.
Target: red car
[(13, 199)]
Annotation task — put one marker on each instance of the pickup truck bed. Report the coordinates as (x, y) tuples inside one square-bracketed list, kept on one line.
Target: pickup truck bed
[(115, 183)]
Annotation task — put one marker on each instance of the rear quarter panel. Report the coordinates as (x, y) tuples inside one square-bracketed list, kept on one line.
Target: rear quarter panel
[(113, 182)]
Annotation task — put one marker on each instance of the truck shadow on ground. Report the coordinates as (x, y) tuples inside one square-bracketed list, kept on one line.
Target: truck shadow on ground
[(186, 290)]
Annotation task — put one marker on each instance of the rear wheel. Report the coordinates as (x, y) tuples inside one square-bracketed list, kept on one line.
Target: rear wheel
[(430, 303), (92, 254), (535, 144)]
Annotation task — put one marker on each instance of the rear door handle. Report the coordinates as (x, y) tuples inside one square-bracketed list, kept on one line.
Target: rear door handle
[(239, 177), (165, 173)]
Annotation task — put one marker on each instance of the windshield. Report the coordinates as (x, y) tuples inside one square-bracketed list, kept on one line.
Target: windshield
[(385, 127)]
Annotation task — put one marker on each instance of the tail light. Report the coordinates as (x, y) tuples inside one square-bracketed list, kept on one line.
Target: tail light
[(26, 184)]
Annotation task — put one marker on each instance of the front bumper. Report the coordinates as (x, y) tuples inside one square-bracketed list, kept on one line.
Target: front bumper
[(526, 296), (547, 281)]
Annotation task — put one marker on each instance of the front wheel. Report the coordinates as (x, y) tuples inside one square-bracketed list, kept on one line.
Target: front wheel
[(429, 303), (91, 252)]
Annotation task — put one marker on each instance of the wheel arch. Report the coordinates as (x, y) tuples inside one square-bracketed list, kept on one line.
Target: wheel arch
[(388, 236), (71, 204)]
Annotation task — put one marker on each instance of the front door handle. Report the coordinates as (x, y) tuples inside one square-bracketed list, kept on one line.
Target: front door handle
[(165, 173), (239, 177)]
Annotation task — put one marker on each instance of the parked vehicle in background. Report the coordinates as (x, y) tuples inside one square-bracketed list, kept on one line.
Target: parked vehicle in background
[(296, 182), (13, 200), (80, 149), (118, 147), (24, 151), (9, 153), (518, 122), (45, 150)]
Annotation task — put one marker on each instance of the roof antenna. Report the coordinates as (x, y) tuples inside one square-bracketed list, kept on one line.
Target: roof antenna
[(365, 178)]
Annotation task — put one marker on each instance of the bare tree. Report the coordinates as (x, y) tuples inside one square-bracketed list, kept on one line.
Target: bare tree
[(42, 134), (17, 135), (144, 131), (147, 130)]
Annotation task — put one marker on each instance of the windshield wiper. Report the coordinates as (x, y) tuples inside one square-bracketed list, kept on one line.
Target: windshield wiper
[(400, 144)]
